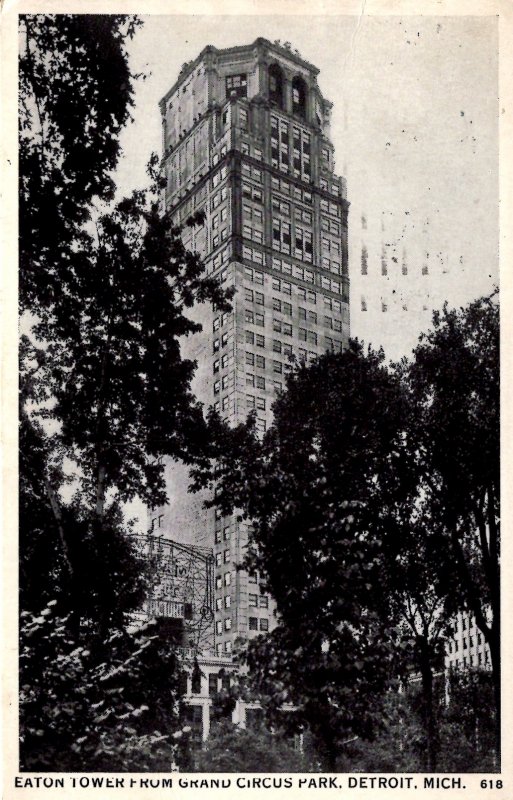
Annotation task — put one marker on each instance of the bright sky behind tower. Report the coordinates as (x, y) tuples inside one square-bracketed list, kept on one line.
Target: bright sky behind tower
[(414, 124)]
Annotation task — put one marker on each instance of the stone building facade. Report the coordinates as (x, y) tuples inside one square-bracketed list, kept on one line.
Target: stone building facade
[(246, 140)]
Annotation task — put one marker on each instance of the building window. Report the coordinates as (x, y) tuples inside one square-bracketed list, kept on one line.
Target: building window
[(260, 340), (227, 578), (264, 601), (281, 235), (276, 85), (252, 600), (299, 97), (227, 556), (264, 624), (236, 85), (365, 259), (253, 623), (227, 624), (227, 601)]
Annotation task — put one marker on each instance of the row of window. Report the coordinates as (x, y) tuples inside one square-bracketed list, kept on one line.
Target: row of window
[(249, 171), (223, 558), (216, 157), (252, 215), (255, 152), (306, 275), (220, 363), (222, 535), (472, 660), (221, 258), (280, 206), (256, 318), (220, 343), (332, 188), (219, 176), (217, 238), (468, 642), (290, 189), (255, 360), (255, 402), (220, 321), (218, 219), (250, 192), (258, 600), (252, 254), (254, 623), (257, 339), (218, 198), (221, 385), (223, 602), (226, 648), (227, 625)]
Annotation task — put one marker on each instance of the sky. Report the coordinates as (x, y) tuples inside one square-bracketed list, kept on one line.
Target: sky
[(415, 129)]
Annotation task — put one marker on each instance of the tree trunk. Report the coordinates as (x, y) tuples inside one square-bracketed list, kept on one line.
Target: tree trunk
[(428, 711), (495, 655)]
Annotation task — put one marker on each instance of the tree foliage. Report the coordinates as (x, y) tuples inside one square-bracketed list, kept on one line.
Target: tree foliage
[(108, 706), (373, 500), (231, 748), (455, 391), (76, 91), (104, 387), (320, 490)]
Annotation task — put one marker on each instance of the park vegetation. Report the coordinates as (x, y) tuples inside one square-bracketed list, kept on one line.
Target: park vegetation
[(373, 498)]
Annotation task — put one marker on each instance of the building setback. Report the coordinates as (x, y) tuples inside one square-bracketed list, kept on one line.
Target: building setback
[(246, 141)]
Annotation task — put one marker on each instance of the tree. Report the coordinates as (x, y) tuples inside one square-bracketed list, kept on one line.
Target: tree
[(468, 730), (454, 385), (426, 611), (320, 491), (75, 96), (373, 500), (104, 387), (231, 748), (101, 708)]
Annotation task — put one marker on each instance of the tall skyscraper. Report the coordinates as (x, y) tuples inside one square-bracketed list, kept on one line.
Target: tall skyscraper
[(246, 140)]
